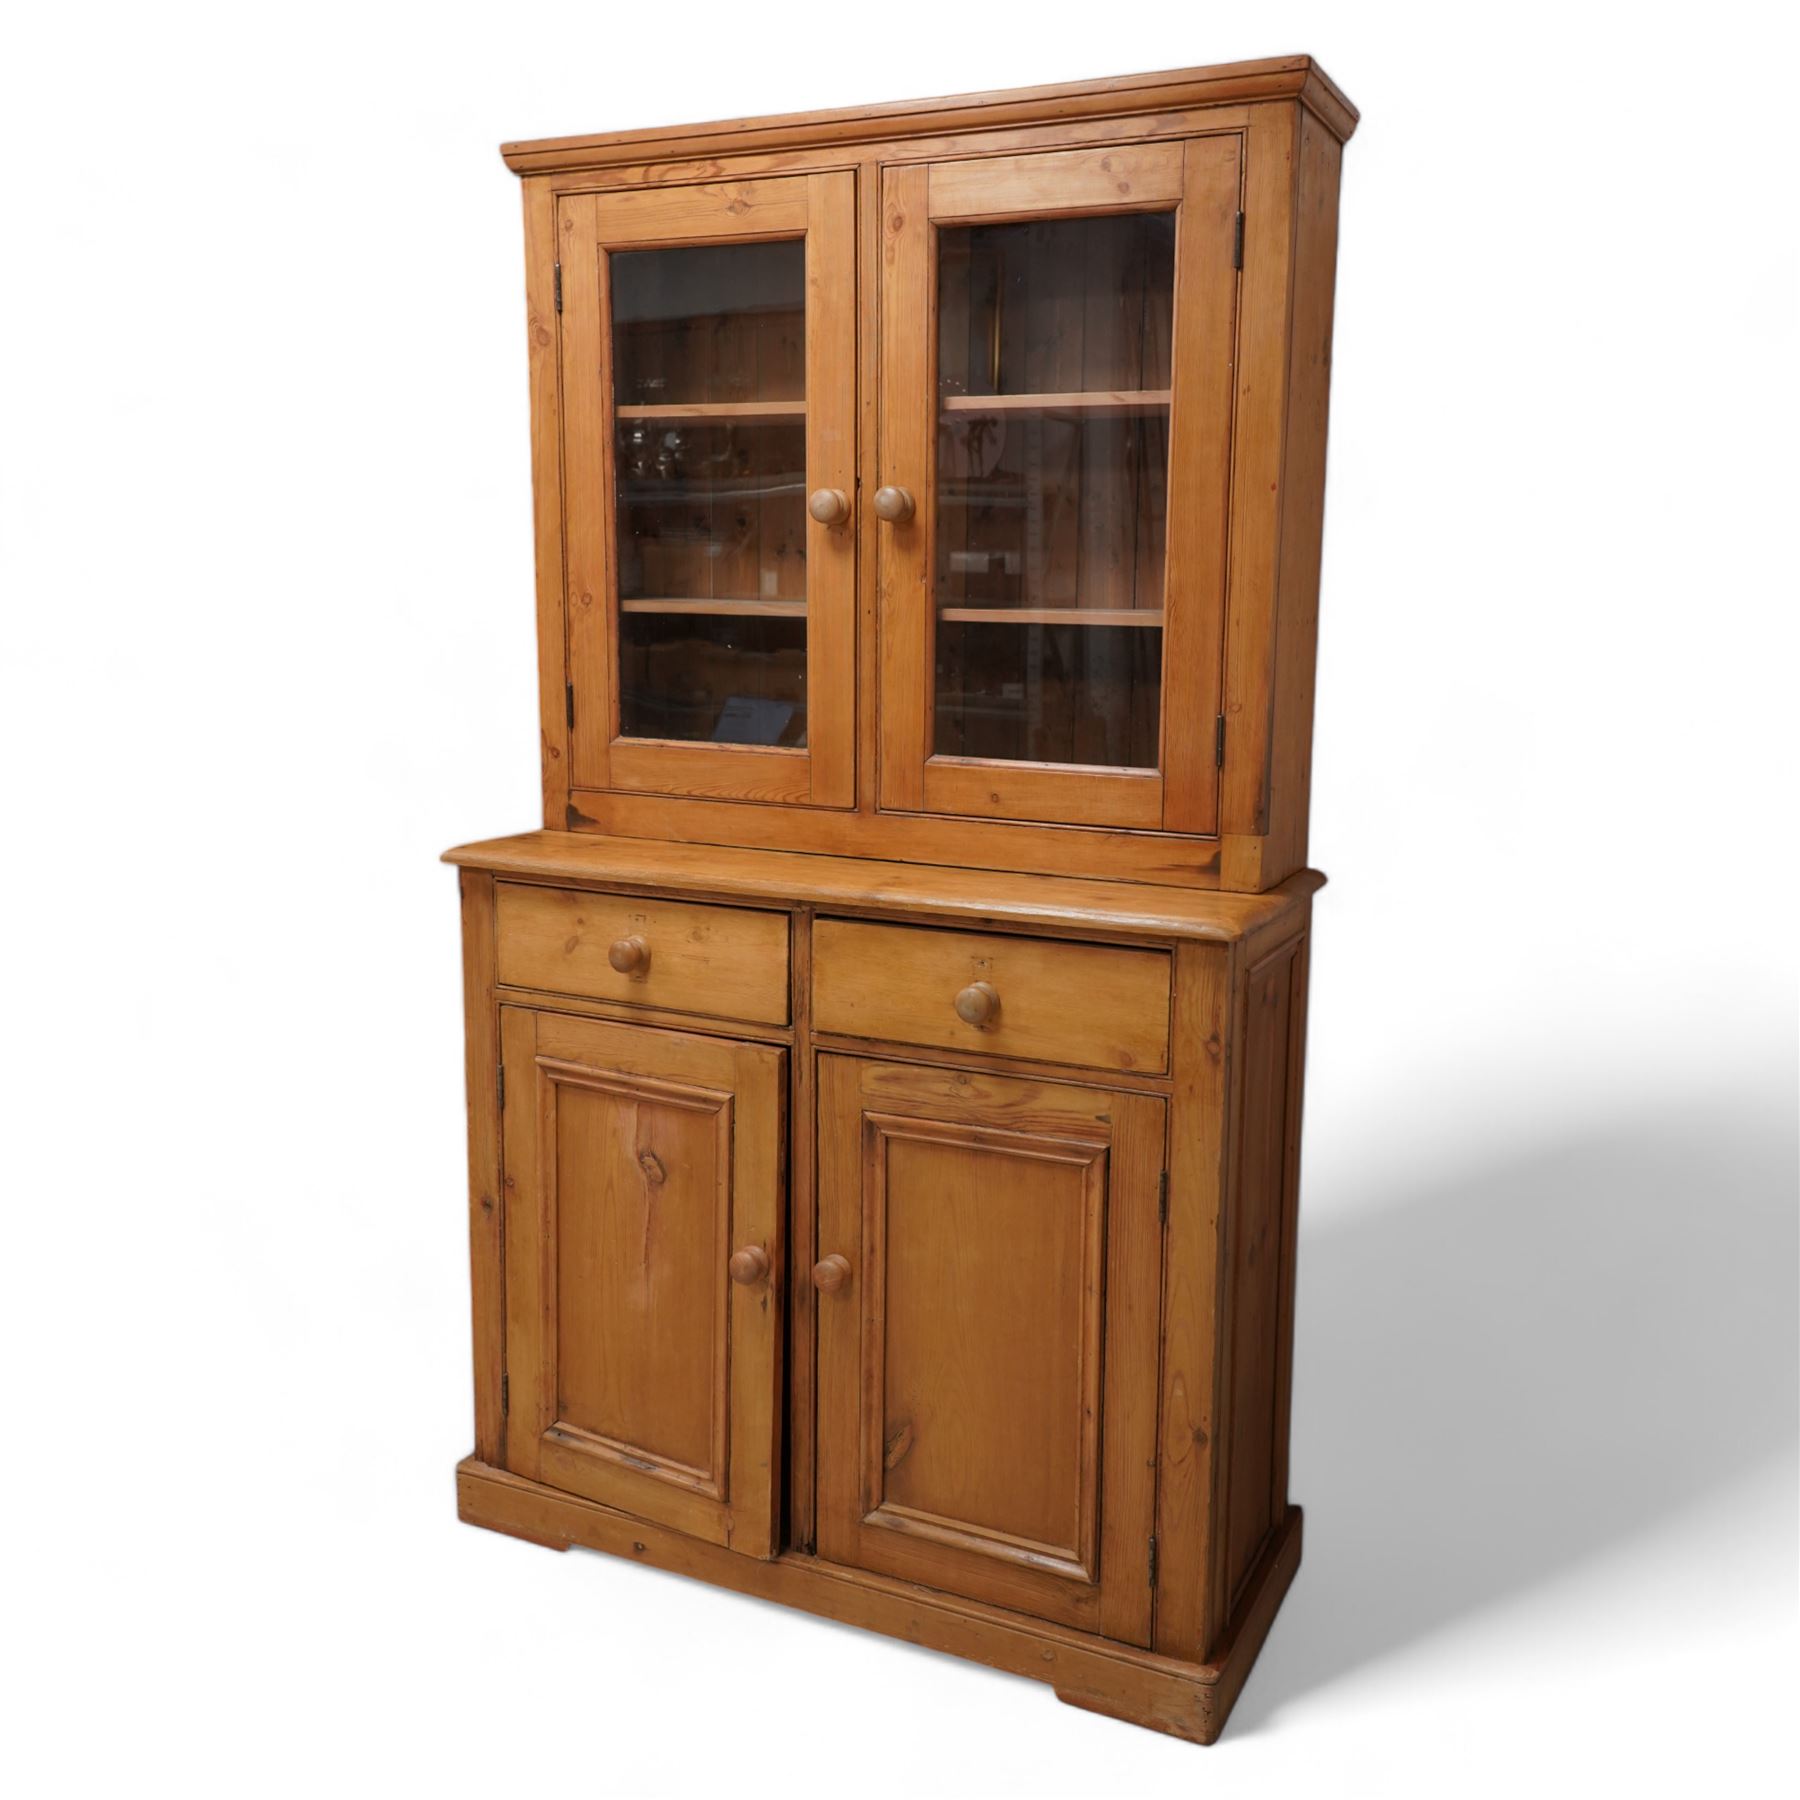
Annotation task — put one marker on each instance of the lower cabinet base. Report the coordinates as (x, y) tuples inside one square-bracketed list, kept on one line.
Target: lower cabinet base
[(1186, 1700)]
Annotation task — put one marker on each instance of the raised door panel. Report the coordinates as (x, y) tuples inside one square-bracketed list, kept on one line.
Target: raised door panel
[(987, 1368), (640, 1372), (709, 406), (1058, 334)]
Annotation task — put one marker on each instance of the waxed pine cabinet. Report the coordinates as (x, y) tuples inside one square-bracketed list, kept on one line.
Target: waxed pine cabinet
[(885, 1063)]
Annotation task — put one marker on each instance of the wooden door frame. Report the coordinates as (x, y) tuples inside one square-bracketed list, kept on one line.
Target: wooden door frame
[(1200, 180), (1127, 1130), (746, 1083), (819, 208)]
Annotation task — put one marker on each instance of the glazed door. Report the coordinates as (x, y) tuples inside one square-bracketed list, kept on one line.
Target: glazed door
[(1057, 335), (987, 1318), (709, 468), (643, 1270)]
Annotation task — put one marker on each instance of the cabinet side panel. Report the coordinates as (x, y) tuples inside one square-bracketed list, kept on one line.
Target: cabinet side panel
[(481, 1068), (1187, 1458), (1257, 1251), (1303, 500), (1259, 422), (546, 496)]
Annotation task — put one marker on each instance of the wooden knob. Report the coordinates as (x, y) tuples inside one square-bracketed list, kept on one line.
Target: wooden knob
[(630, 956), (978, 1004), (894, 504), (830, 506), (830, 1274), (749, 1265)]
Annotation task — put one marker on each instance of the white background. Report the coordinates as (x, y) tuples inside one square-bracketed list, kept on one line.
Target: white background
[(265, 548)]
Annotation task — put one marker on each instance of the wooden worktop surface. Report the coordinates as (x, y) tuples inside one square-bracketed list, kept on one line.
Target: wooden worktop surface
[(860, 884)]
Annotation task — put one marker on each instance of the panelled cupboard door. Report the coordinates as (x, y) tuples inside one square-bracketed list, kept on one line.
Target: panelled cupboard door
[(709, 470), (990, 1269), (643, 1270), (1057, 338)]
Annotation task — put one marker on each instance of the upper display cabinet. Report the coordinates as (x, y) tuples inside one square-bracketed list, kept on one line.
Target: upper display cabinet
[(942, 482)]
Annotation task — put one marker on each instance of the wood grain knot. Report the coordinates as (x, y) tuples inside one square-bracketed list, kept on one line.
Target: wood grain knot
[(654, 1172)]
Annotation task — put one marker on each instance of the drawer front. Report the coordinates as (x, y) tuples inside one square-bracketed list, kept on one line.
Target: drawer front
[(722, 960), (964, 990)]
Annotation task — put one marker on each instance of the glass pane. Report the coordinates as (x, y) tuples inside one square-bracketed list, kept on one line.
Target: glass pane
[(715, 322), (1048, 693), (1052, 488), (709, 371)]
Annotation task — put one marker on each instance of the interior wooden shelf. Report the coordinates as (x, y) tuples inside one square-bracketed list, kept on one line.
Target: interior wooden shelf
[(768, 609), (1118, 400), (1141, 616), (715, 409)]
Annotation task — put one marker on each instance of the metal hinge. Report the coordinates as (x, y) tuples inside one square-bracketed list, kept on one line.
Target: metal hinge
[(1219, 742), (1237, 253), (569, 702), (559, 269), (505, 1393), (500, 1084), (1162, 1198), (1152, 1558)]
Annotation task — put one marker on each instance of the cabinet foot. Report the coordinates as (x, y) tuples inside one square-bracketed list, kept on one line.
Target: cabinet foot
[(1182, 1699), (489, 1521)]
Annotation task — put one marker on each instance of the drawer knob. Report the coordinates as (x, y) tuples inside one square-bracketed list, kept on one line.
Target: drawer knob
[(978, 1004), (894, 504), (830, 1274), (830, 506), (630, 955), (749, 1265)]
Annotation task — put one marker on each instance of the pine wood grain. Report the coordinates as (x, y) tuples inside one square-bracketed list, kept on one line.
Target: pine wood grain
[(1084, 182), (728, 961), (1063, 904), (1184, 1700), (1007, 1053), (1070, 1003), (641, 1374), (1206, 294), (1189, 1455), (831, 328), (1296, 78), (991, 1226), (481, 1057)]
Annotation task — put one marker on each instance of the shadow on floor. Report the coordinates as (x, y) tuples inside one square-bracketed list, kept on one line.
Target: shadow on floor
[(1507, 1370)]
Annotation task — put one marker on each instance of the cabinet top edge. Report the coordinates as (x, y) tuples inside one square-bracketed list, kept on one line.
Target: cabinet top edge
[(791, 878), (1272, 78)]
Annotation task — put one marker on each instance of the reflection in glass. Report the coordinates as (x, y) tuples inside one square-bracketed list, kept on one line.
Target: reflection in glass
[(711, 511), (1048, 693), (734, 678), (1052, 488), (709, 371), (710, 323)]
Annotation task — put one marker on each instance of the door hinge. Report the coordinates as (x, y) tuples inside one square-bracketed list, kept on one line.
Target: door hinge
[(1153, 1561), (569, 703), (1162, 1198), (505, 1393), (1237, 253), (558, 276), (1219, 742), (500, 1084)]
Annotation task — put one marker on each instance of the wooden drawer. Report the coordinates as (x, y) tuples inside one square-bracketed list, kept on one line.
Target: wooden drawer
[(1052, 1002), (723, 960)]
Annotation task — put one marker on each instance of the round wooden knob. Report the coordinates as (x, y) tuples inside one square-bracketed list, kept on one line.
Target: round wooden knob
[(630, 956), (894, 504), (749, 1265), (830, 1274), (978, 1004), (830, 506)]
